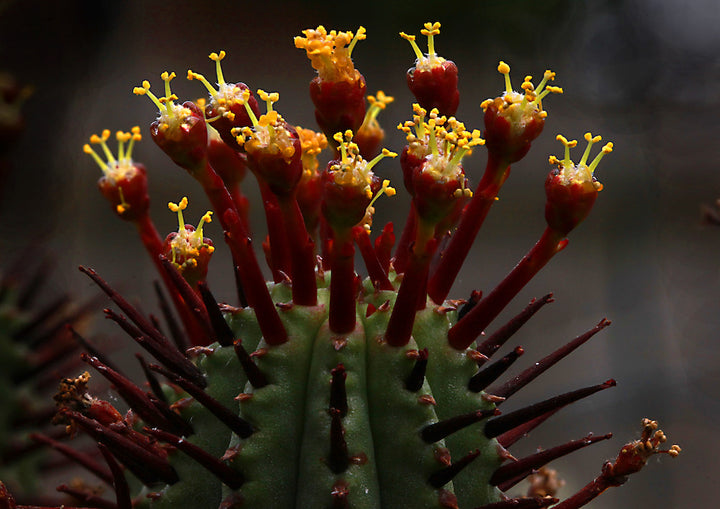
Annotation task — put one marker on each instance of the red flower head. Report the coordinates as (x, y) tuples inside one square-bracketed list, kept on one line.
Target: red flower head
[(179, 130), (187, 249), (433, 80), (572, 188), (226, 108), (514, 119), (338, 91), (370, 135), (272, 145), (350, 186), (124, 182)]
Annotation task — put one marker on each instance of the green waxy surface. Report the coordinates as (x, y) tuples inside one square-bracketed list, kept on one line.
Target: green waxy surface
[(448, 373), (285, 461)]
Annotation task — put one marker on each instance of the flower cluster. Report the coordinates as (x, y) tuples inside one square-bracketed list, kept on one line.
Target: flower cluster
[(319, 388)]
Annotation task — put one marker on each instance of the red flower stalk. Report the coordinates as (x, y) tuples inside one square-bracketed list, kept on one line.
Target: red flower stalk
[(631, 459), (338, 92), (571, 191), (437, 184), (512, 121), (275, 157), (124, 185), (433, 80), (350, 188)]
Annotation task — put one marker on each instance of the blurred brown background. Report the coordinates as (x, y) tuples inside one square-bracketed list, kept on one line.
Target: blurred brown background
[(643, 73)]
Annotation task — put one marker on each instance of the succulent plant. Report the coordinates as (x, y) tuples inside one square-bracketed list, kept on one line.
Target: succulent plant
[(322, 389)]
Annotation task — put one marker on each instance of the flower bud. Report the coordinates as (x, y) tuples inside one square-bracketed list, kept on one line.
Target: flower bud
[(572, 188), (124, 182), (432, 171), (433, 80), (513, 120)]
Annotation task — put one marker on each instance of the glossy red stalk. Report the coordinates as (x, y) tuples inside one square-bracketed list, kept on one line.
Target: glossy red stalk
[(376, 272), (412, 293), (342, 284), (463, 333), (302, 252), (496, 172)]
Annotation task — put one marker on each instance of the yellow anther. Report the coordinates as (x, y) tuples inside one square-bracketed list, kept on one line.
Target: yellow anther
[(407, 37), (216, 57), (206, 218), (269, 98), (503, 68), (431, 28), (380, 99), (562, 139), (175, 207), (608, 147)]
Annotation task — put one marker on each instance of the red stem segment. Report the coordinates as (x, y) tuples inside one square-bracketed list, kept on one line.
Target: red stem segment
[(463, 333), (377, 273), (402, 253), (253, 281), (279, 248), (302, 252), (412, 292), (236, 236), (496, 172), (342, 284)]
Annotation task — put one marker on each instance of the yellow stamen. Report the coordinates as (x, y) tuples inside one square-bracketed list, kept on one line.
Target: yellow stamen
[(359, 36), (431, 30), (179, 207), (217, 58), (415, 47), (196, 76), (385, 153), (504, 69)]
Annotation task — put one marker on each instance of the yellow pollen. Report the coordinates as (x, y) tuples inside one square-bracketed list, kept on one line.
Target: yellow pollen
[(175, 207), (119, 168)]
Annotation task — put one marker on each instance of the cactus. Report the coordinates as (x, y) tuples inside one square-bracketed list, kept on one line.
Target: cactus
[(323, 390)]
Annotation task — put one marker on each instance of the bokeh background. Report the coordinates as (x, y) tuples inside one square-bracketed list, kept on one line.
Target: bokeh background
[(643, 73)]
